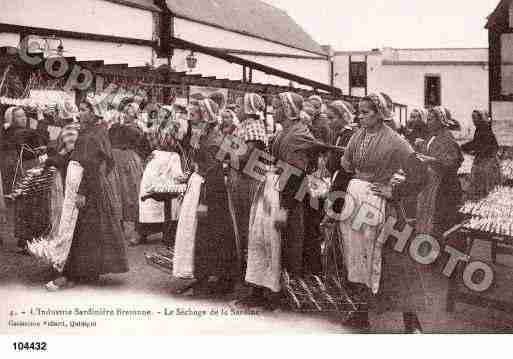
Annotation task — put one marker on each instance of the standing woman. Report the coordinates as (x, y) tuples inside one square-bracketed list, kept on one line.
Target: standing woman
[(388, 280), (253, 134), (65, 146), (270, 250), (208, 254), (98, 245), (416, 126), (486, 173), (437, 209), (18, 143), (130, 147)]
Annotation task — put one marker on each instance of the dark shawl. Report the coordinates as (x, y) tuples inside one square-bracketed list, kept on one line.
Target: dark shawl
[(483, 145)]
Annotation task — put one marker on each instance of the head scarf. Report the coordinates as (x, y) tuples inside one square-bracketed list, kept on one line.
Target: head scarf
[(253, 104), (421, 114), (445, 117), (219, 98), (316, 98), (484, 116), (343, 109), (233, 116), (380, 104), (66, 132), (292, 104), (9, 116), (209, 110)]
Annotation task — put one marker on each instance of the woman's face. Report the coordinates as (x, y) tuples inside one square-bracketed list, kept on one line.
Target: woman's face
[(433, 122), (316, 104), (226, 117), (414, 118), (368, 116), (195, 115), (19, 118), (86, 117), (476, 119), (69, 142), (131, 112)]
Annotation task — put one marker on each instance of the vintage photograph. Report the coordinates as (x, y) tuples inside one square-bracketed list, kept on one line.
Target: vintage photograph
[(228, 167)]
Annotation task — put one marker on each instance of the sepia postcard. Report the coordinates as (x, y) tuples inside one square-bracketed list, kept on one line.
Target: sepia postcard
[(255, 167)]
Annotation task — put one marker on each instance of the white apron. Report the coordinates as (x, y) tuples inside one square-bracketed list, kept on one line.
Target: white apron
[(185, 242), (361, 248), (264, 239), (55, 248), (163, 165)]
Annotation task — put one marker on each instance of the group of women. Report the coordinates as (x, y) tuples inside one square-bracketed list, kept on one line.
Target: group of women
[(232, 225)]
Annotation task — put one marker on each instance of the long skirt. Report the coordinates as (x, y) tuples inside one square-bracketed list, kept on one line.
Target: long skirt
[(205, 244), (244, 189), (130, 168), (394, 281), (265, 244), (484, 177), (437, 208), (215, 253), (114, 185), (185, 241), (54, 248), (98, 245)]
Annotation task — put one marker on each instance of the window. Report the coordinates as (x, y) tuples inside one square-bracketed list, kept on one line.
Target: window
[(432, 91), (358, 74), (506, 84)]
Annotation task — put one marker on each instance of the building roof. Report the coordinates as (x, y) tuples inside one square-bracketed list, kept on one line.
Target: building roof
[(250, 17), (140, 4), (497, 17)]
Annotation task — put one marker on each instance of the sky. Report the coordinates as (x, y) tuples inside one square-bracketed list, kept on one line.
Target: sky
[(367, 24)]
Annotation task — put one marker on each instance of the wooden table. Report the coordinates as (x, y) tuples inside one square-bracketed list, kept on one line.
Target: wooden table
[(499, 245)]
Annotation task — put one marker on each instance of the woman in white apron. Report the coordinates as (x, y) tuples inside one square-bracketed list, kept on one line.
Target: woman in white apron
[(387, 280)]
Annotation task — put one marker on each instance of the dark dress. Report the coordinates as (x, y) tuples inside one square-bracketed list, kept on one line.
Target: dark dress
[(486, 173), (215, 252), (130, 146), (98, 244), (437, 209), (301, 254)]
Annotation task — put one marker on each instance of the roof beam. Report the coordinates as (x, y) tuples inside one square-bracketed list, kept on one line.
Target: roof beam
[(183, 44)]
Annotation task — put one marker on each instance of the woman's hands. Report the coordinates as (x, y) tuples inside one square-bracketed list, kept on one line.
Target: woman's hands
[(381, 190), (427, 159)]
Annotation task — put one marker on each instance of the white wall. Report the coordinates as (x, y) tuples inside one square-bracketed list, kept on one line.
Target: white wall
[(313, 69), (470, 54), (464, 87), (91, 16), (215, 37)]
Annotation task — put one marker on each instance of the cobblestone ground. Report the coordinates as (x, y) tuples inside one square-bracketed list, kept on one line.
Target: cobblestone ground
[(144, 287)]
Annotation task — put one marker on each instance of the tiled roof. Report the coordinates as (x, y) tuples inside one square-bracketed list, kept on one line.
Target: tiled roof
[(142, 4), (253, 17)]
